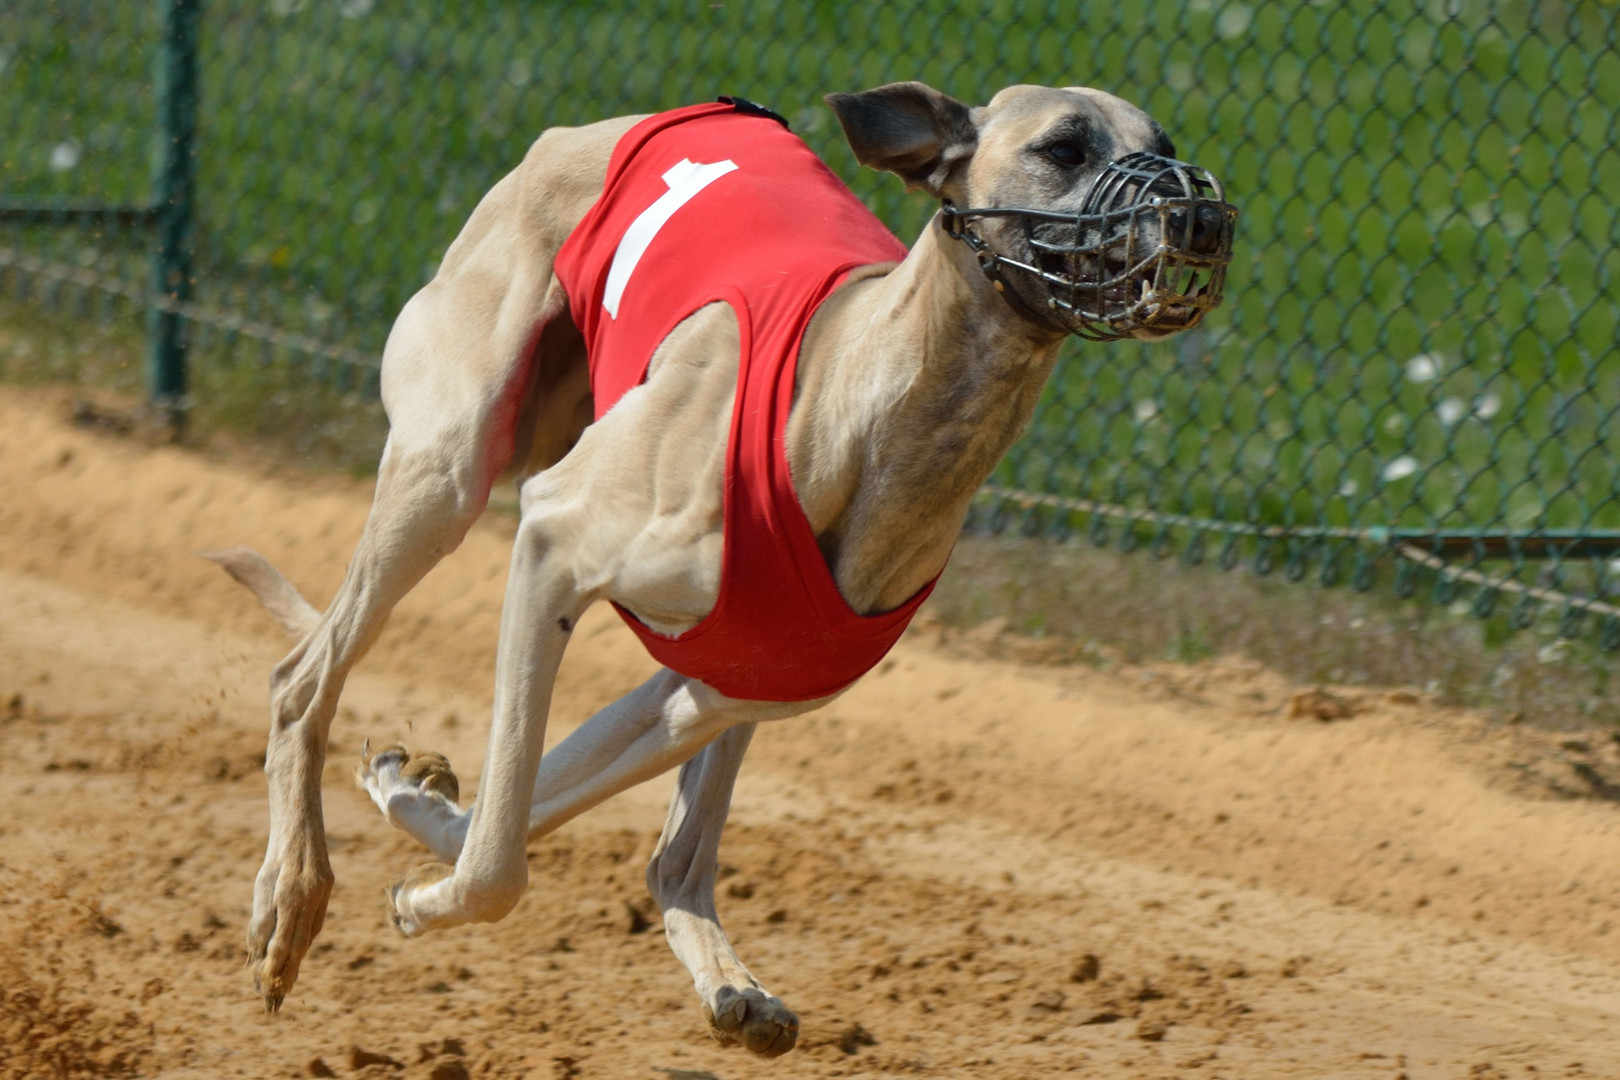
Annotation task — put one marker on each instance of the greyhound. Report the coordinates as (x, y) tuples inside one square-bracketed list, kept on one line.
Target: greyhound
[(1063, 211)]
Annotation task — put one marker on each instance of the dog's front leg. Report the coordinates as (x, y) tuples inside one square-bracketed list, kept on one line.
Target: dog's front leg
[(662, 723), (681, 877), (491, 872), (650, 730)]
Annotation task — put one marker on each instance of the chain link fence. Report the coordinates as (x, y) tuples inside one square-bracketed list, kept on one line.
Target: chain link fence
[(1414, 377)]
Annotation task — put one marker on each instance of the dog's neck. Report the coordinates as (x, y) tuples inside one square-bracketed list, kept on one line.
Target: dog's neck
[(911, 387)]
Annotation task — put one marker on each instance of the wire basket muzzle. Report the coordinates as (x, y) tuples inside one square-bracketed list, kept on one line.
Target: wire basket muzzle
[(1148, 250)]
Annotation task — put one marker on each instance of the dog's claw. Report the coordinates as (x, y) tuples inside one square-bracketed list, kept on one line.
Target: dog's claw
[(391, 896)]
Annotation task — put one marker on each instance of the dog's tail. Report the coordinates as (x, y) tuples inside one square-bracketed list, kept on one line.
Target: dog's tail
[(275, 592)]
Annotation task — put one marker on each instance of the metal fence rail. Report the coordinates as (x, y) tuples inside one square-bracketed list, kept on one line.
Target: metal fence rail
[(1414, 377)]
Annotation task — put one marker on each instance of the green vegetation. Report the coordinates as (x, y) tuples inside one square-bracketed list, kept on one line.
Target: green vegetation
[(1072, 603), (77, 340)]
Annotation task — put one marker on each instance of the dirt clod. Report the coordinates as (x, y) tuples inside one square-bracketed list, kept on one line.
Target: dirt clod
[(448, 1068), (445, 1046), (1049, 1001), (636, 920), (360, 1059), (1320, 704), (103, 924), (853, 1037)]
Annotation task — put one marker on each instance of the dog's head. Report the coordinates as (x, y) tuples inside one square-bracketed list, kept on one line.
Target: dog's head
[(1071, 198)]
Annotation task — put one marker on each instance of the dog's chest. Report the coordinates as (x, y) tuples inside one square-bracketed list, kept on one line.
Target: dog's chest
[(702, 206)]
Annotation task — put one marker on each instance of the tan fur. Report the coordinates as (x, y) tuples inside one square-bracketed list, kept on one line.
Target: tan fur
[(914, 380)]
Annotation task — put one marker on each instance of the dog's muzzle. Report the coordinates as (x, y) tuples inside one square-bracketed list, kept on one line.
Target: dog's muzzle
[(1146, 254)]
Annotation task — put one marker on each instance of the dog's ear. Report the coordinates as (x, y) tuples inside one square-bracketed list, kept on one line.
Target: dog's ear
[(909, 129)]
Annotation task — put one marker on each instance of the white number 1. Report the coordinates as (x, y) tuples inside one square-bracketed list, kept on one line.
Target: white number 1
[(685, 179)]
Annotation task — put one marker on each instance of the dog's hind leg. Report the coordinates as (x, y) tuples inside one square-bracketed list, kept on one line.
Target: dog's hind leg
[(433, 482), (428, 494), (681, 877), (457, 370)]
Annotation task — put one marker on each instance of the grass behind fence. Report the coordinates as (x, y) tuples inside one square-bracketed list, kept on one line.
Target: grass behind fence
[(1420, 325)]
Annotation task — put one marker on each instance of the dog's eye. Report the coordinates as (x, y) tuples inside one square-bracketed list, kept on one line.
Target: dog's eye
[(1068, 154)]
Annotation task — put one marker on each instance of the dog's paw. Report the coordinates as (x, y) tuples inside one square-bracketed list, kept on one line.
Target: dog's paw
[(401, 907), (395, 768), (289, 906), (754, 1019), (418, 794)]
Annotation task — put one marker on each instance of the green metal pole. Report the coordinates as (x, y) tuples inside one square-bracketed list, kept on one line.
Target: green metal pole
[(174, 180)]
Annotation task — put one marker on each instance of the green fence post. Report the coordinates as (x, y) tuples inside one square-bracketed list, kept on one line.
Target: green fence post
[(174, 180)]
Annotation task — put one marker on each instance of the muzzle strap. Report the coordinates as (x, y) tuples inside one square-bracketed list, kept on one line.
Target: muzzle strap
[(956, 226)]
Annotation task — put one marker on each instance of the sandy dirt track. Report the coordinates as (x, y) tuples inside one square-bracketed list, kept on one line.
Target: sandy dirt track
[(968, 866)]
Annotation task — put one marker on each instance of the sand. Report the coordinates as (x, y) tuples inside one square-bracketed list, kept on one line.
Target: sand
[(972, 865)]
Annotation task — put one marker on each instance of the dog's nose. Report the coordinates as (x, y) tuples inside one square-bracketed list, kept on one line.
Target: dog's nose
[(1205, 237)]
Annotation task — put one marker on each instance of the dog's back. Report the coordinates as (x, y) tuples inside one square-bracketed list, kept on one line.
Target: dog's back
[(702, 204)]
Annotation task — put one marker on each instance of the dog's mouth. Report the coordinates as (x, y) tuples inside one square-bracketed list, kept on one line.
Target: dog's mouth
[(1152, 297), (1145, 256)]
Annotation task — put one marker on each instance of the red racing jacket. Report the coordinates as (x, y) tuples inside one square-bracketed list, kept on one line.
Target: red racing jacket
[(721, 203)]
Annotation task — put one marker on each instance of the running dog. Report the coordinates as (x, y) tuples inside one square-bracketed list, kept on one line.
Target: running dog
[(737, 408)]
